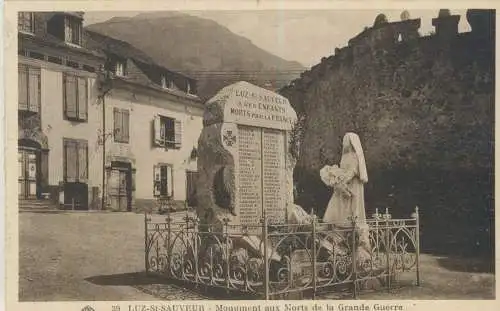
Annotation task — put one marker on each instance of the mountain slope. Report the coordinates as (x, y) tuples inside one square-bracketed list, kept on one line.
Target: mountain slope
[(200, 48)]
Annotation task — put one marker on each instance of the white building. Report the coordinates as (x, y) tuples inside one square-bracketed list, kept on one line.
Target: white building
[(152, 120)]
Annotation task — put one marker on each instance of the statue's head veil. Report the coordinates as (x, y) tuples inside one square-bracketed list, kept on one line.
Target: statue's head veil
[(353, 139)]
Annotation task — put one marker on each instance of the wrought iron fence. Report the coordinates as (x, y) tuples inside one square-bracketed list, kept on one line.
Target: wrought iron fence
[(275, 260)]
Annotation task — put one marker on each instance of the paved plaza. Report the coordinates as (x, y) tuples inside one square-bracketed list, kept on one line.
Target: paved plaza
[(100, 256)]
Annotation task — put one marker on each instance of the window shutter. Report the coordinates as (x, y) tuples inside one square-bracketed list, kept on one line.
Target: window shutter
[(70, 96), (20, 164), (178, 133), (82, 161), (23, 87), (116, 124), (156, 180), (159, 132), (132, 180), (170, 181), (125, 125), (34, 89), (82, 98), (71, 161), (67, 29)]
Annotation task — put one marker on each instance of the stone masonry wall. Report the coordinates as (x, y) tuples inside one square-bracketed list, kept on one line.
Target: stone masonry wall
[(424, 110)]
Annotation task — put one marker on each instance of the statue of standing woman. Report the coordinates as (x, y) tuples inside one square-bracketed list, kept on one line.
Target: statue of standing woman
[(348, 200)]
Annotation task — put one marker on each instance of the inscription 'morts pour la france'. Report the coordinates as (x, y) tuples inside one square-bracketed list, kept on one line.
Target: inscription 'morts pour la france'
[(250, 170)]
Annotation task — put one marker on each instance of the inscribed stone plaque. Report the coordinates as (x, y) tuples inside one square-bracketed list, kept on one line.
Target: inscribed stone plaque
[(250, 175), (246, 131), (273, 151)]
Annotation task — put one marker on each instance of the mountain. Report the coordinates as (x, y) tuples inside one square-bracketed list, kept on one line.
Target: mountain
[(202, 49)]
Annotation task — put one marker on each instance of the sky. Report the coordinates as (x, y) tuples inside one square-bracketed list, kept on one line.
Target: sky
[(299, 35)]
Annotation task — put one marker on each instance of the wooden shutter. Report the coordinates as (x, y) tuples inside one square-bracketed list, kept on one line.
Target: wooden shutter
[(20, 162), (159, 132), (156, 180), (82, 98), (125, 125), (132, 180), (82, 161), (70, 159), (23, 87), (178, 133), (70, 96), (67, 29), (170, 181), (34, 89), (116, 124)]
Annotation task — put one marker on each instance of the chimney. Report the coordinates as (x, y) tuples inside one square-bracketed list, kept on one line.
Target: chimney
[(446, 24)]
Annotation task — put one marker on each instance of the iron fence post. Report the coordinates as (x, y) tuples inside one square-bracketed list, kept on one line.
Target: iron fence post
[(146, 242), (417, 243), (196, 232), (169, 247), (314, 254), (266, 262), (377, 242), (226, 233), (354, 259), (387, 248)]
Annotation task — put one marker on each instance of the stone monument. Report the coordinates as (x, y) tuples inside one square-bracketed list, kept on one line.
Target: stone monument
[(245, 165)]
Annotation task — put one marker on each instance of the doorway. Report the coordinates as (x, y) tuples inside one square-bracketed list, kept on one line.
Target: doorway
[(28, 172), (119, 185)]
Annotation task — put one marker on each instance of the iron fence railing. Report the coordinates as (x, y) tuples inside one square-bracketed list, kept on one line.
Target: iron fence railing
[(286, 258)]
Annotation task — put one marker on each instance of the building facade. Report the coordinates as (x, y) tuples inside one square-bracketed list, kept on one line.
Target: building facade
[(94, 110)]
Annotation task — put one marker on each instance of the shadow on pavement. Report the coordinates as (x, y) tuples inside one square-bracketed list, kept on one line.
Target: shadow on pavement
[(124, 279), (467, 265)]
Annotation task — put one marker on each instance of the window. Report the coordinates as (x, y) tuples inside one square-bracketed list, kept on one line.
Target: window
[(121, 125), (75, 159), (75, 97), (73, 30), (163, 180), (167, 132), (88, 68), (164, 82), (120, 69), (26, 22), (29, 88), (36, 55), (55, 60), (72, 64)]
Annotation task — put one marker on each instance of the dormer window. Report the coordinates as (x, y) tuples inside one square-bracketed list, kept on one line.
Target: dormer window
[(189, 88), (26, 22), (120, 69), (73, 30), (164, 82)]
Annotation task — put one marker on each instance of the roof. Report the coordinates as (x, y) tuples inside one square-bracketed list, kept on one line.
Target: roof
[(103, 43), (122, 49)]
